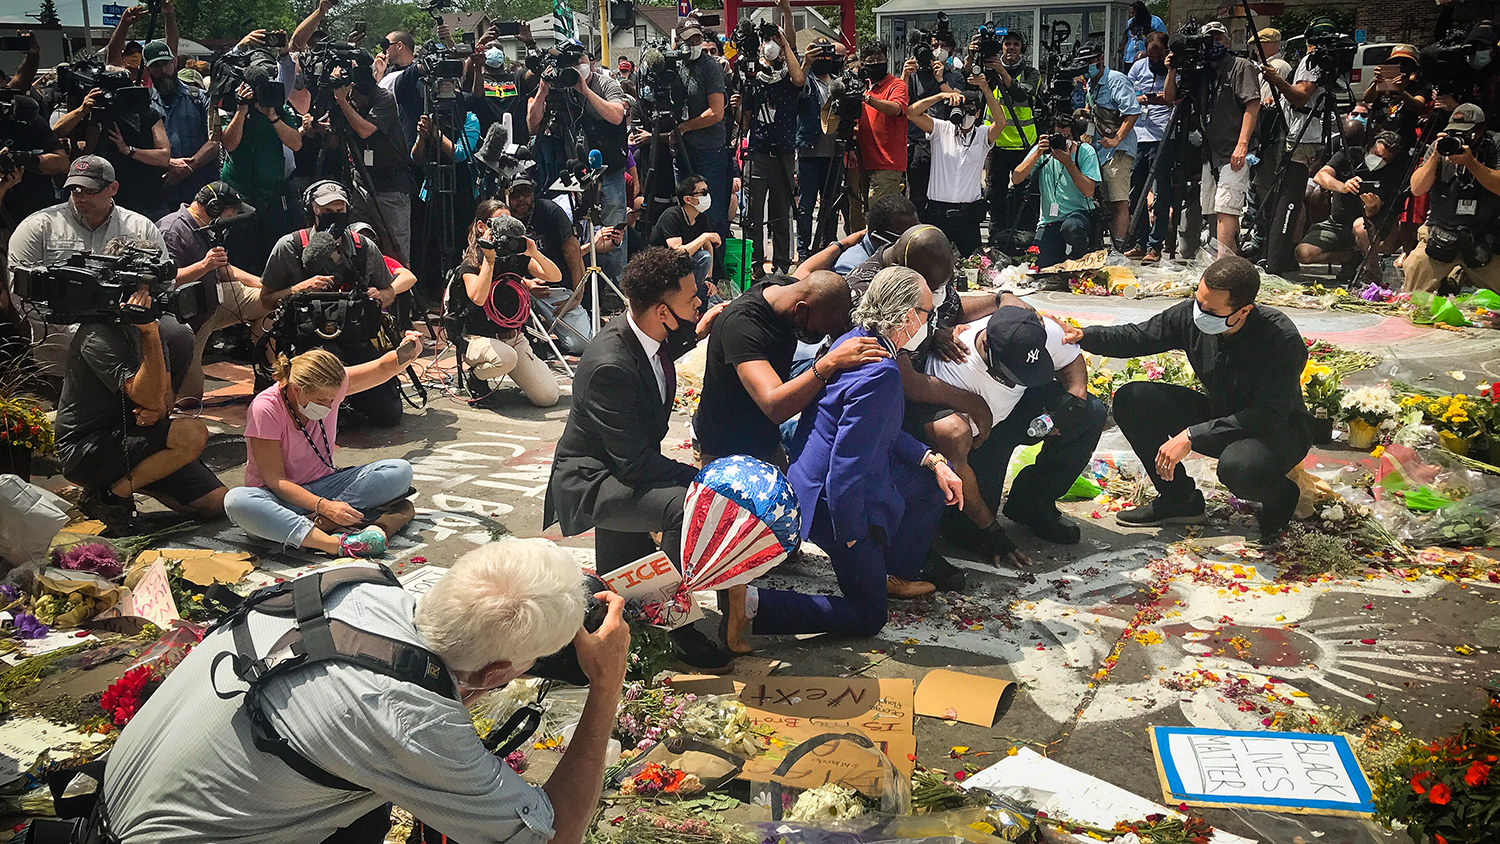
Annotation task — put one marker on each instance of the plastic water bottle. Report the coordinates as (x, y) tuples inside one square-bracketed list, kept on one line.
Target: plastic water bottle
[(1040, 426)]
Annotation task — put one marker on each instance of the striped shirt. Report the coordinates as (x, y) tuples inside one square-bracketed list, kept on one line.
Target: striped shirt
[(186, 769)]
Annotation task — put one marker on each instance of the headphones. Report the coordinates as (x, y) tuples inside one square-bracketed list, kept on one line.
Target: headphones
[(307, 195), (215, 205)]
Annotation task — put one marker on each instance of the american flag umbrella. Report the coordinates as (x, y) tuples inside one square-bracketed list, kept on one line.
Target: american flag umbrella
[(740, 521)]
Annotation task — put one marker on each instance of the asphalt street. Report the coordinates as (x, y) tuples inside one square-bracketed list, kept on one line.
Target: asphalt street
[(1382, 641)]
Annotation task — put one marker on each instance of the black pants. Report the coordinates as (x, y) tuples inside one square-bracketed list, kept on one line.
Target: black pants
[(381, 404), (959, 220), (1062, 459), (1254, 468), (772, 178), (1151, 231), (625, 518), (918, 173), (1001, 163)]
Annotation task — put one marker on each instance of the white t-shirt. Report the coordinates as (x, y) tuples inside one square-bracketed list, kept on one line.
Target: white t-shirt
[(957, 164), (974, 376), (1295, 118)]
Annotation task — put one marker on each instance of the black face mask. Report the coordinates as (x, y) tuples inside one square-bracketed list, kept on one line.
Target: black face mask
[(680, 340), (877, 71), (806, 334), (1157, 67), (334, 221)]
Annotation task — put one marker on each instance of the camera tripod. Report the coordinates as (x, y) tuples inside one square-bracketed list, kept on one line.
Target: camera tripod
[(832, 199), (1280, 212), (1186, 108), (441, 172), (751, 105)]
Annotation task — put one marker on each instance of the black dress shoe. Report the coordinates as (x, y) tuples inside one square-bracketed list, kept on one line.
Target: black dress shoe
[(1161, 512), (1051, 526), (944, 575), (117, 514), (700, 652)]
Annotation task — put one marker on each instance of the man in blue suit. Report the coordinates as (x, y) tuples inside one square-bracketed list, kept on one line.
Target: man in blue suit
[(871, 494)]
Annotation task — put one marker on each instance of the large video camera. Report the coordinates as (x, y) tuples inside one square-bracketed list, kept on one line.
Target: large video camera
[(85, 287), (1190, 49), (16, 111), (848, 95), (1446, 64), (662, 87), (328, 67), (558, 67), (442, 68), (1332, 56), (920, 41), (122, 98), (257, 68)]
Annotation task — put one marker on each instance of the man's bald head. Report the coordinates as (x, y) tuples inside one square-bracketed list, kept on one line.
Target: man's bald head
[(820, 306), (924, 249)]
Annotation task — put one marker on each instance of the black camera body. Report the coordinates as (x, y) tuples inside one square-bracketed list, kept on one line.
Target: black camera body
[(329, 67), (662, 87), (1446, 65), (563, 666), (442, 68), (121, 96), (1449, 145), (1189, 49), (1058, 140), (503, 244), (85, 287), (1333, 57), (558, 67), (973, 104)]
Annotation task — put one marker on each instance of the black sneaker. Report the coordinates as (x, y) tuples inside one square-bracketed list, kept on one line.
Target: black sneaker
[(701, 653), (1162, 512), (1051, 526), (944, 575), (117, 514)]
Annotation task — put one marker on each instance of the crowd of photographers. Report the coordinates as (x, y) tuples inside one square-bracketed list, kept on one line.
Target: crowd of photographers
[(323, 191)]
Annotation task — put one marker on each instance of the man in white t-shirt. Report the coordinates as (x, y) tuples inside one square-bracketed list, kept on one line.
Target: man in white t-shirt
[(1036, 387), (959, 145)]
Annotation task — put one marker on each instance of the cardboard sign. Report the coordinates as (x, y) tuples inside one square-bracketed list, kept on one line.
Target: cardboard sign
[(652, 581), (1280, 772), (151, 598), (955, 696), (201, 566), (796, 709), (419, 581)]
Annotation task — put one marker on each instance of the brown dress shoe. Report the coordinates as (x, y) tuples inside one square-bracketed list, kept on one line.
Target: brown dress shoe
[(1136, 253), (1152, 256), (897, 587)]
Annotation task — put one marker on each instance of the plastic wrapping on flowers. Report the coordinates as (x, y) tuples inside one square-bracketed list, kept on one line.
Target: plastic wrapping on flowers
[(560, 708), (1425, 495), (982, 825), (649, 714)]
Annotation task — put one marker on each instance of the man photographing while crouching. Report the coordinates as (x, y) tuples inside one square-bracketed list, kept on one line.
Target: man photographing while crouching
[(184, 769)]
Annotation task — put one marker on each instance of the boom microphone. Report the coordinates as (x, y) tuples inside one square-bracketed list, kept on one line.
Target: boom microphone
[(652, 58)]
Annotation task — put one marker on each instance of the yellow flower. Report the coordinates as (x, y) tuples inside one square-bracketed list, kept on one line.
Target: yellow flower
[(1312, 370), (1379, 450)]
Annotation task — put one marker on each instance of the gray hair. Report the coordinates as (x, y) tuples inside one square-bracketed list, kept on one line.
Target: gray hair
[(509, 601), (892, 292)]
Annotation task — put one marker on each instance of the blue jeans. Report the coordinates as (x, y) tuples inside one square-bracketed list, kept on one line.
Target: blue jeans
[(1156, 218), (713, 166), (576, 329), (861, 570), (811, 174), (703, 263), (260, 513), (612, 208), (1064, 239)]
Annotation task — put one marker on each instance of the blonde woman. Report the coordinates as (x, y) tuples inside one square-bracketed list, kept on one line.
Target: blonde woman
[(293, 493)]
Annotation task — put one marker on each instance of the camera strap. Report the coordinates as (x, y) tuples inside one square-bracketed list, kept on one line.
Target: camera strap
[(325, 456), (315, 639)]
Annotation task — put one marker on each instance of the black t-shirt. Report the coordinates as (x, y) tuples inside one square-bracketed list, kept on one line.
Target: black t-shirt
[(774, 130), (1458, 199), (728, 419), (93, 401), (141, 187), (673, 223), (392, 167), (550, 227), (504, 94), (1345, 208), (36, 190)]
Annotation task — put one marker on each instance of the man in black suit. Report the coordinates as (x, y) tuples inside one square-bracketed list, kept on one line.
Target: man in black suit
[(608, 472)]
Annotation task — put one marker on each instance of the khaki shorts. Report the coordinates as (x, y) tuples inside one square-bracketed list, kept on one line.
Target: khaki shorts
[(1115, 177), (1224, 192)]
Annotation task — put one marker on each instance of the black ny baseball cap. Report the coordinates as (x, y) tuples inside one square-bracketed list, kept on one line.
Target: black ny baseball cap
[(1016, 342)]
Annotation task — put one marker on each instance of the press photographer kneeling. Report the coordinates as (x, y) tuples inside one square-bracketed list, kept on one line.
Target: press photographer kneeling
[(114, 432), (330, 286), (1462, 171)]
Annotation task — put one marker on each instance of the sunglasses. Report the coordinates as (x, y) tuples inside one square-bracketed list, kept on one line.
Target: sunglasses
[(703, 192), (80, 189)]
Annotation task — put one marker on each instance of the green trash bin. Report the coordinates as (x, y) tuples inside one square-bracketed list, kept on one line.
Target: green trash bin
[(739, 259)]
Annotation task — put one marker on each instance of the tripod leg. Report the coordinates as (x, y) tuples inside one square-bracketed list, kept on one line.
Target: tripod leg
[(537, 324)]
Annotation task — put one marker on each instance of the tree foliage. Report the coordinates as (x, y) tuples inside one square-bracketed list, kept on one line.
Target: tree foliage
[(47, 15)]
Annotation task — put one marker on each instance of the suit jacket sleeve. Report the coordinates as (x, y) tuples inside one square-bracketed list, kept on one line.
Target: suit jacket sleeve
[(866, 412), (632, 458), (1161, 333)]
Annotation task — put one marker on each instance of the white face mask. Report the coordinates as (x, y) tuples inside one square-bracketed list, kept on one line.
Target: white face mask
[(583, 70), (939, 296), (941, 55), (969, 121), (1480, 59), (315, 411), (916, 338), (703, 203), (1373, 161), (1209, 323), (770, 51), (695, 52)]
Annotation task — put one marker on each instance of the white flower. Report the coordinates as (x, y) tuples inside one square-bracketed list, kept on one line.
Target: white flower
[(1371, 402), (1334, 513), (831, 802)]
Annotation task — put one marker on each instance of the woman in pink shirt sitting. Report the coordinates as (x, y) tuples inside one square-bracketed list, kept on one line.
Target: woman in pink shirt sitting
[(293, 493)]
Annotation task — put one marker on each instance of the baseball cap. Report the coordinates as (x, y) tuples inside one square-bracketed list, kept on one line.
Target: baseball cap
[(1213, 26), (1403, 51), (1484, 34), (190, 76), (157, 51), (689, 28), (329, 192), (1017, 346), (91, 172), (1464, 118), (1270, 33)]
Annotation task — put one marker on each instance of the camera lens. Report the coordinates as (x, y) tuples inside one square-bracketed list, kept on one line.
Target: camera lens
[(1058, 140), (1449, 145)]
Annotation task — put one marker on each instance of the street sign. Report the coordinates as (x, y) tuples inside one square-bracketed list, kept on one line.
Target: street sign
[(111, 20), (684, 8), (1359, 36), (114, 10)]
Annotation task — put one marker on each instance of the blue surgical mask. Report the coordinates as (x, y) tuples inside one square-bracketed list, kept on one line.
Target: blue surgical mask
[(1093, 71), (1363, 119), (1209, 323), (494, 57)]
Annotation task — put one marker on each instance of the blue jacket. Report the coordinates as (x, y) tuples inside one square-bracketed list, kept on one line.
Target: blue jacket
[(848, 443), (809, 125)]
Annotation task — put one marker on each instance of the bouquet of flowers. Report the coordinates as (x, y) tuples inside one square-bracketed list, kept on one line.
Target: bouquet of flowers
[(23, 423), (1444, 791), (650, 714), (1320, 387), (655, 779), (1370, 405), (1457, 415)]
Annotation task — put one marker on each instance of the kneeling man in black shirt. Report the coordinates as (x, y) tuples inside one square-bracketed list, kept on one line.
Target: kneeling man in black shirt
[(1250, 359), (114, 432)]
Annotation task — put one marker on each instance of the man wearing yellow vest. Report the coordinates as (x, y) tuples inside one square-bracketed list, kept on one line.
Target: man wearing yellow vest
[(1017, 92)]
